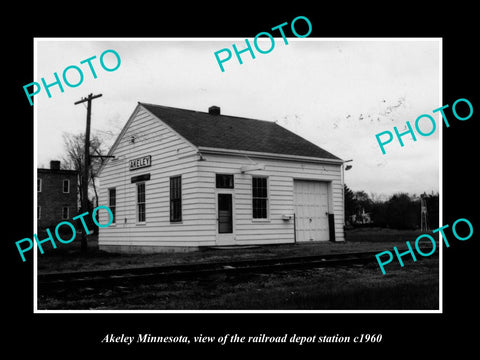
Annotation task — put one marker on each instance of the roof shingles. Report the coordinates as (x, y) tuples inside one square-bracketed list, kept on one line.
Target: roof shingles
[(235, 133)]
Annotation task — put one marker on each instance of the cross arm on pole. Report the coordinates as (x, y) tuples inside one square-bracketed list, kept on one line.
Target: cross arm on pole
[(90, 97)]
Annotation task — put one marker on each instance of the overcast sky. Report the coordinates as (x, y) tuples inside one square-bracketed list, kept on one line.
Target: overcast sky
[(337, 93)]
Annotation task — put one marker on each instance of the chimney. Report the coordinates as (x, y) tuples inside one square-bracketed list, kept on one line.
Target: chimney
[(54, 165), (214, 110)]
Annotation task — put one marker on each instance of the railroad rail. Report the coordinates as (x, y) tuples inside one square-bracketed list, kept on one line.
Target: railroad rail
[(165, 273)]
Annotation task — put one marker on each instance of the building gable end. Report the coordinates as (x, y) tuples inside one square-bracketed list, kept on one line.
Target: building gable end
[(127, 126)]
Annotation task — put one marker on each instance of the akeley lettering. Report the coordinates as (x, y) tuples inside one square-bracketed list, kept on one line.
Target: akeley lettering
[(140, 163), (228, 54), (426, 122), (73, 75), (29, 247)]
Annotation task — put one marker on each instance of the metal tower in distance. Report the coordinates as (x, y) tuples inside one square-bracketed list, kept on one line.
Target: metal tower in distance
[(423, 214)]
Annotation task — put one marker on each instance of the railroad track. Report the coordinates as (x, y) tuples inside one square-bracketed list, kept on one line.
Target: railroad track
[(101, 278)]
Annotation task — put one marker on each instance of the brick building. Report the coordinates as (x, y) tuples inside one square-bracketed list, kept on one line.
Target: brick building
[(57, 195)]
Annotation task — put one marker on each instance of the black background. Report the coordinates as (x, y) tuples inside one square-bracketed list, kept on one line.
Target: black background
[(66, 335)]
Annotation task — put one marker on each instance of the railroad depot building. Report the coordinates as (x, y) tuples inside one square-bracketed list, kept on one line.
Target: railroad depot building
[(181, 179)]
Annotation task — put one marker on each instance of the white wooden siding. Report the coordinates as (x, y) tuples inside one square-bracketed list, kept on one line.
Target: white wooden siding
[(171, 156), (281, 175)]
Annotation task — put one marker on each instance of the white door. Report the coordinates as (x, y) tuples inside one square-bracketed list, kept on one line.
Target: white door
[(311, 210), (225, 234)]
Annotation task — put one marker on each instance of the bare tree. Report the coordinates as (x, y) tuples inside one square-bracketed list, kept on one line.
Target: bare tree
[(74, 158)]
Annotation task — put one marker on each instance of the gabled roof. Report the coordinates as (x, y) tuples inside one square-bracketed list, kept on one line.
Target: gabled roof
[(203, 129)]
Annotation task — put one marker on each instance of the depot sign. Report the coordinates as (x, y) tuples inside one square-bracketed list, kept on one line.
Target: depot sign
[(140, 163)]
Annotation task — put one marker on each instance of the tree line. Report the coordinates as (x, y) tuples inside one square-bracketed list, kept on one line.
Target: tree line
[(399, 211)]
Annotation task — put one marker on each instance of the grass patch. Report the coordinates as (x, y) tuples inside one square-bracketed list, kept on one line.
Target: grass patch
[(414, 287)]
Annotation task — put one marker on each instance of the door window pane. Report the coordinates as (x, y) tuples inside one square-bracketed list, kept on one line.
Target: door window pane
[(225, 213)]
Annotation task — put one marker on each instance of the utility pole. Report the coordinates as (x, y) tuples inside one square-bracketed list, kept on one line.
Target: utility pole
[(86, 167), (423, 214)]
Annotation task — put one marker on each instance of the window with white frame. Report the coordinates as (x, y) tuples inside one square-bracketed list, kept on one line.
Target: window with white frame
[(112, 202), (224, 181), (141, 209), (259, 198), (176, 199), (66, 186)]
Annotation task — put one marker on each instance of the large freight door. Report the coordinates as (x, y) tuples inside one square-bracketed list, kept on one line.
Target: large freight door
[(311, 210)]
